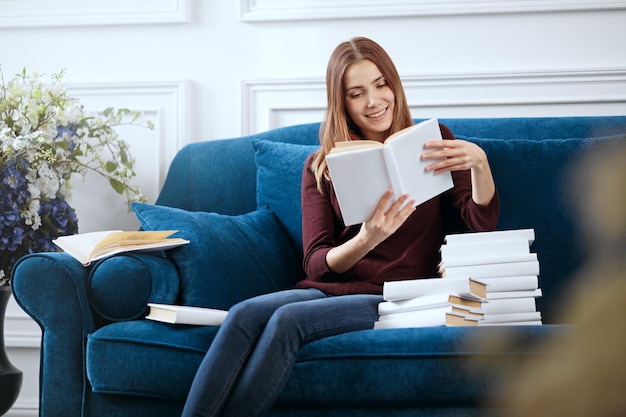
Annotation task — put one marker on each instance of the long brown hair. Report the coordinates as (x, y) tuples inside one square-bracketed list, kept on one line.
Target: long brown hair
[(337, 125)]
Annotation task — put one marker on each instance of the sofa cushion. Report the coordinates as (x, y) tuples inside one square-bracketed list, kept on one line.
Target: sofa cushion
[(229, 258), (279, 178), (429, 366), (535, 190), (159, 360)]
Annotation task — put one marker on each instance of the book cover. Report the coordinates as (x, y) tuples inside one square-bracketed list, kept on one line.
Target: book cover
[(493, 270), (491, 236), (510, 305), (430, 317), (463, 251), (453, 309), (92, 246), (503, 295), (427, 301), (487, 258), (176, 314), (362, 171), (514, 283), (412, 288)]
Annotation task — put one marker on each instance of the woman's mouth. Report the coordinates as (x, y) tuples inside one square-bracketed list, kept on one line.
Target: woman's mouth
[(377, 115)]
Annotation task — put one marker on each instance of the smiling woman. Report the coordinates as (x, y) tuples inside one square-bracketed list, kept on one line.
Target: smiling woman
[(258, 343)]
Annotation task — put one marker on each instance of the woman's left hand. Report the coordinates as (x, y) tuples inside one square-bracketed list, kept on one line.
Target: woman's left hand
[(457, 155), (453, 155)]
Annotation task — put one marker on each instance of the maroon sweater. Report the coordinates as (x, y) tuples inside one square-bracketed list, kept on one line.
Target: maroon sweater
[(411, 252)]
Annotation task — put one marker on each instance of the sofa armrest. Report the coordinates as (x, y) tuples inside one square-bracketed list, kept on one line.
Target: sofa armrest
[(120, 287), (51, 288)]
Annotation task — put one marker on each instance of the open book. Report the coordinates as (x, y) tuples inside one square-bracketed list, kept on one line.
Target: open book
[(89, 247), (363, 170)]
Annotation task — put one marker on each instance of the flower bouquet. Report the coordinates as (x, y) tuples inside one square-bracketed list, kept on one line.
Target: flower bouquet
[(46, 136)]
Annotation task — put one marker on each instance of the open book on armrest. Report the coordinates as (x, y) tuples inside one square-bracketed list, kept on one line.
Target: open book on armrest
[(89, 247)]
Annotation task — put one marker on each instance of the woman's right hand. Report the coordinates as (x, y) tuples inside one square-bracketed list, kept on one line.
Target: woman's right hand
[(386, 221)]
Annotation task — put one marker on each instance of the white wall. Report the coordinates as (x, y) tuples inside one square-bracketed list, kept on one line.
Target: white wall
[(222, 68)]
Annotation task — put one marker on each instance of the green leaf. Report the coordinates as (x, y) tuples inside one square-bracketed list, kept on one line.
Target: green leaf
[(117, 185), (111, 166), (124, 156)]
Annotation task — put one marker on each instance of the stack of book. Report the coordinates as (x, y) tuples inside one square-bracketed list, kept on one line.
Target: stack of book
[(486, 278)]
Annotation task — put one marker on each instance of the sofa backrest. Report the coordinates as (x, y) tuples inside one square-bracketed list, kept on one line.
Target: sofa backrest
[(531, 159), (220, 175)]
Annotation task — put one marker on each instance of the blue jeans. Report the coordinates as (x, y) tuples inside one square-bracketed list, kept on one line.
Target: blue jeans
[(252, 355)]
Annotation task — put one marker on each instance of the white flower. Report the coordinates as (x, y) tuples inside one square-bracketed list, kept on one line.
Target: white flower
[(46, 137)]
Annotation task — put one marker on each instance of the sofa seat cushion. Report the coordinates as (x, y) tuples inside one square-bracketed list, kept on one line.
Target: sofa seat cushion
[(146, 358), (436, 365)]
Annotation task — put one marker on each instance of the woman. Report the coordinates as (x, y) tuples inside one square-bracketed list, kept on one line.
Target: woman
[(251, 358)]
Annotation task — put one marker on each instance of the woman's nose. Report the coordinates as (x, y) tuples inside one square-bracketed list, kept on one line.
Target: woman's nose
[(372, 99)]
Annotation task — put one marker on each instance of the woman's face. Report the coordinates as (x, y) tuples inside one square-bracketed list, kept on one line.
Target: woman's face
[(369, 100)]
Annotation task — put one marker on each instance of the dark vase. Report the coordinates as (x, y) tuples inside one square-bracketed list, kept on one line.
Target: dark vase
[(10, 376)]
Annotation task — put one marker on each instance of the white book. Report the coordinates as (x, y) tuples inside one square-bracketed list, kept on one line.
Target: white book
[(511, 317), (427, 301), (519, 283), (488, 259), (510, 305), (431, 317), (454, 252), (516, 319), (412, 288), (514, 323), (493, 270), (417, 314), (497, 235), (502, 295), (175, 314), (362, 171)]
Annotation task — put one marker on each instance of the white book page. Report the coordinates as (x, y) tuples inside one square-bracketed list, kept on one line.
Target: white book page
[(81, 245), (407, 149), (360, 179)]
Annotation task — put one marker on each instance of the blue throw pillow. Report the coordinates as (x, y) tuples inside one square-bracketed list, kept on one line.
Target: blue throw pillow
[(229, 258), (279, 180)]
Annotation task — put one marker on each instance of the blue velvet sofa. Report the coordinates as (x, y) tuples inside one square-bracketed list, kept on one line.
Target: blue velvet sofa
[(237, 200)]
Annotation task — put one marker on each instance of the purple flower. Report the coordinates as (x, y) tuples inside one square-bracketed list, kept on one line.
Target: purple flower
[(57, 218), (70, 131)]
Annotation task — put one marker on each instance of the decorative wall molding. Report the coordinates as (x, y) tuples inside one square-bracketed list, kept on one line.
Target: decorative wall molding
[(273, 10), (163, 102), (268, 104), (37, 13)]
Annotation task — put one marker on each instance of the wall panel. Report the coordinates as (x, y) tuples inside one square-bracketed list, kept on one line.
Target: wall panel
[(40, 13), (275, 10), (269, 104)]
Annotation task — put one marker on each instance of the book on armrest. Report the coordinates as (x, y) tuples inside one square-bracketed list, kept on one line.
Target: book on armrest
[(92, 246)]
